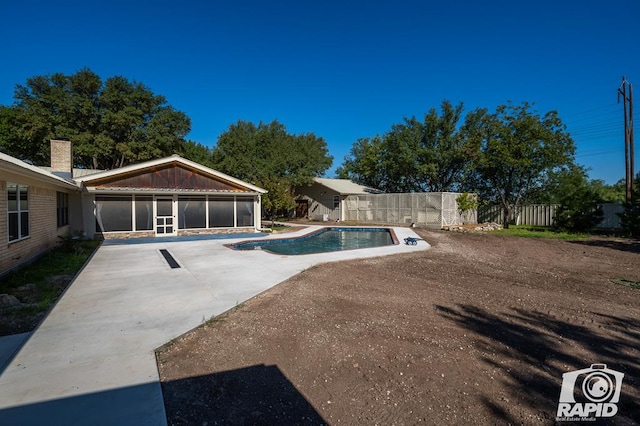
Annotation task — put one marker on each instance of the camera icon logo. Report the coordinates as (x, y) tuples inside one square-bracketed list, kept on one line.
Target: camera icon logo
[(589, 393)]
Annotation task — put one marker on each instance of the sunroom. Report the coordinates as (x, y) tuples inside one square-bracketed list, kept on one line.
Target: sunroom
[(169, 196)]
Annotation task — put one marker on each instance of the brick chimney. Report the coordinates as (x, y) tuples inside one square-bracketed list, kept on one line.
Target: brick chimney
[(61, 158)]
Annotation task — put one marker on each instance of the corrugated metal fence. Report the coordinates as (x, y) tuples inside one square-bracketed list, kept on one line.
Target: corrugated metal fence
[(543, 215)]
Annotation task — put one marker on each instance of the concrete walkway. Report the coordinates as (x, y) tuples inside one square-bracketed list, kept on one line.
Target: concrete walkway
[(92, 360)]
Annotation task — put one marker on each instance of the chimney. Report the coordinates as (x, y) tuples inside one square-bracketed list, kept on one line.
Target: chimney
[(61, 158)]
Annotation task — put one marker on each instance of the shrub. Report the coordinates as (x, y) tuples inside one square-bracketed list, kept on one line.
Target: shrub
[(579, 210), (630, 218)]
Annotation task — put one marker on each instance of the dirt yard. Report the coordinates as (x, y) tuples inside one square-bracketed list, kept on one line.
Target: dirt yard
[(477, 330)]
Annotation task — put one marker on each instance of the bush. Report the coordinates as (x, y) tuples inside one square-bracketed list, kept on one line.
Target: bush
[(630, 218), (579, 210)]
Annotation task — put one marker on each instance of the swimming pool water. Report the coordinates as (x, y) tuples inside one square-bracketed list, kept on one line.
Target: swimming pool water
[(326, 240)]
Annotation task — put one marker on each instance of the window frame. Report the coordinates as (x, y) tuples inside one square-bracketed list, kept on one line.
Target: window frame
[(18, 212), (62, 209)]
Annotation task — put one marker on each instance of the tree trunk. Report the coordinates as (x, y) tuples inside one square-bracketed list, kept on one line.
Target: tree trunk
[(505, 216)]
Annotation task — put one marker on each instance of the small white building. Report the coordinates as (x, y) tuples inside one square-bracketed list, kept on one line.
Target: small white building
[(325, 198)]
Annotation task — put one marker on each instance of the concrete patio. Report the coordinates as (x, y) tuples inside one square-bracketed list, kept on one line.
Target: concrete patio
[(92, 360)]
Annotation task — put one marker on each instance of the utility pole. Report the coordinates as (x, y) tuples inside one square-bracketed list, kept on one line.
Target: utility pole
[(627, 99)]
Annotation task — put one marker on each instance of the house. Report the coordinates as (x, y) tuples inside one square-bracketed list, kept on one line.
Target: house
[(325, 198), (38, 207), (169, 196)]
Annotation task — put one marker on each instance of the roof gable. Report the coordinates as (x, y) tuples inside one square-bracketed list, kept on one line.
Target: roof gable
[(171, 173)]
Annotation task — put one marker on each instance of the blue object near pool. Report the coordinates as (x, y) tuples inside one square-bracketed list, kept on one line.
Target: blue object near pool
[(325, 240)]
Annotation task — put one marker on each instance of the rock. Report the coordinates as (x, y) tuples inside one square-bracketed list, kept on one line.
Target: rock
[(59, 281), (484, 227), (26, 288), (7, 300)]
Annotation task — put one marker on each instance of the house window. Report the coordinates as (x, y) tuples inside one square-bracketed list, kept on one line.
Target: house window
[(144, 213), (192, 212), (336, 201), (114, 213), (244, 210), (221, 212), (62, 208), (17, 211)]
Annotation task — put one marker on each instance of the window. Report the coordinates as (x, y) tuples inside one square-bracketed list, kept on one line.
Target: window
[(62, 209), (220, 212), (17, 211), (192, 212), (244, 208), (144, 213), (113, 213), (336, 201)]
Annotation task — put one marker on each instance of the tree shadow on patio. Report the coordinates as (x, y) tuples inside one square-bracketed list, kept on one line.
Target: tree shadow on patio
[(255, 395), (544, 347)]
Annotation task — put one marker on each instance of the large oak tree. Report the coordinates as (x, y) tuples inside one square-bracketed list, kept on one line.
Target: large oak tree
[(414, 156), (270, 157), (111, 123), (517, 151)]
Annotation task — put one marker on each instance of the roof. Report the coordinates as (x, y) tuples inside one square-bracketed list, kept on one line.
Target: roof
[(76, 171), (346, 186), (14, 165), (166, 161)]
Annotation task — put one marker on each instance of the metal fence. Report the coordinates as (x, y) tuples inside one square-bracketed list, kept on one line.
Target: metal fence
[(544, 214), (435, 209)]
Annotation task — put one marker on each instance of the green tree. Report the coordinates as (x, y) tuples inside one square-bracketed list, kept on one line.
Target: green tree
[(364, 163), (10, 143), (630, 218), (111, 124), (195, 151), (414, 156), (517, 149), (610, 193), (269, 157), (579, 201)]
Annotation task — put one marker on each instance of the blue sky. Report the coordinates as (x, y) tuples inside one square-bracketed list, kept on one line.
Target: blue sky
[(344, 69)]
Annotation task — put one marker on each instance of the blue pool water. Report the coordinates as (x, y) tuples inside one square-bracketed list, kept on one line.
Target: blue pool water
[(326, 240)]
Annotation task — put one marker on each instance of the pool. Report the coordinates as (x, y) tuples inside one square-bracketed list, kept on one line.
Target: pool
[(324, 240)]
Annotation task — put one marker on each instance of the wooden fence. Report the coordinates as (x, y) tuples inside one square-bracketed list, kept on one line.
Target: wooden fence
[(544, 214)]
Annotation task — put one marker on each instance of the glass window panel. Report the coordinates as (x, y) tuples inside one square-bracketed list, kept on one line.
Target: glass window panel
[(24, 198), (192, 212), (144, 213), (245, 211), (13, 226), (62, 208), (220, 212), (165, 207), (169, 229), (114, 213), (24, 224), (12, 197)]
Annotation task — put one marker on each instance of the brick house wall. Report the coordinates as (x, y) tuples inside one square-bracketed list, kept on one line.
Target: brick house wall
[(43, 230)]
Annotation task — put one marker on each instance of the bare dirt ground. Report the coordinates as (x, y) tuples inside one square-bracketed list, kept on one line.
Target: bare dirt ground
[(477, 330)]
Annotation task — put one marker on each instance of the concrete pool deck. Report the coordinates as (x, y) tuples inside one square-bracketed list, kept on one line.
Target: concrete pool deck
[(92, 360)]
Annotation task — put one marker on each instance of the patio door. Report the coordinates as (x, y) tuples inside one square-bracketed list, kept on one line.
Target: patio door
[(165, 218)]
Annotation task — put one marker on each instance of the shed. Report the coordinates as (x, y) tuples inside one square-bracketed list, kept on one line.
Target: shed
[(325, 198)]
